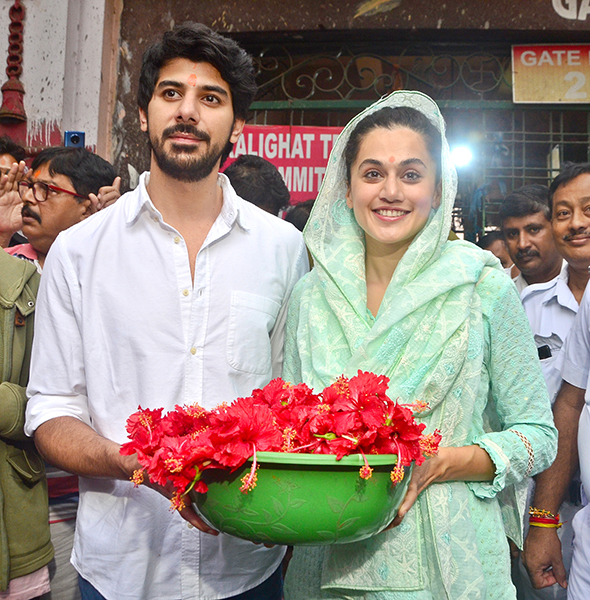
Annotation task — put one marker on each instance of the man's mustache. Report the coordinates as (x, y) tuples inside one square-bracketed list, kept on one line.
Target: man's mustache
[(568, 236), (526, 254), (186, 128), (27, 212)]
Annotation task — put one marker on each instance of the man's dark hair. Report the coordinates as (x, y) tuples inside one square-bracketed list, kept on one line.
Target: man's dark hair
[(298, 215), (258, 181), (7, 146), (485, 241), (88, 172), (569, 171), (198, 43), (528, 200)]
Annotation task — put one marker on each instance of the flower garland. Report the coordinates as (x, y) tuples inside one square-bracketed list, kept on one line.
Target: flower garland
[(351, 416)]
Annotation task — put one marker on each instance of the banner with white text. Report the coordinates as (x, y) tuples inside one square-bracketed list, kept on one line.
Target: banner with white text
[(299, 153)]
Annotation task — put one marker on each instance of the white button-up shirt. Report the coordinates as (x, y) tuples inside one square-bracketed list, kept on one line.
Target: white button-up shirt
[(120, 324), (551, 309)]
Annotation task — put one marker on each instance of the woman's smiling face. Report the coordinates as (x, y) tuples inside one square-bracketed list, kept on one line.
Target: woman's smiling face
[(392, 186)]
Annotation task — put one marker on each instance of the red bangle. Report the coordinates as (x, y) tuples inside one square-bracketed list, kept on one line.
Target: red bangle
[(545, 522)]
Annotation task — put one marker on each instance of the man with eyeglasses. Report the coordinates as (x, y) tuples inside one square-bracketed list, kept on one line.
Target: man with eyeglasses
[(61, 189)]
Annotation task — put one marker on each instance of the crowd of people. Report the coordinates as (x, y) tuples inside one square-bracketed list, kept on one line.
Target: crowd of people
[(189, 289)]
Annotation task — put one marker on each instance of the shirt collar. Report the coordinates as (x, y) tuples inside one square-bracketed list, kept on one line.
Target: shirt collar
[(554, 289), (545, 285), (232, 209)]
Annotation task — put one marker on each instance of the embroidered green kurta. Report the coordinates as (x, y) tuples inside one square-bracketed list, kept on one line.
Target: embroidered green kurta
[(450, 331)]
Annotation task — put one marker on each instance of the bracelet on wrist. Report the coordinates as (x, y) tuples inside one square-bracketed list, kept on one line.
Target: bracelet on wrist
[(537, 523), (543, 518), (541, 513)]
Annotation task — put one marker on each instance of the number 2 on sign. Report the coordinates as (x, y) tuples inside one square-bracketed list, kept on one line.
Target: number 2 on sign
[(579, 80)]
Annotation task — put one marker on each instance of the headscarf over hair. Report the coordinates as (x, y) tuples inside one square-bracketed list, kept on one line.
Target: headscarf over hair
[(331, 217), (428, 338)]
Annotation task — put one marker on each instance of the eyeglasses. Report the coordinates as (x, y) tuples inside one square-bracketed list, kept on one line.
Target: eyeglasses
[(40, 190)]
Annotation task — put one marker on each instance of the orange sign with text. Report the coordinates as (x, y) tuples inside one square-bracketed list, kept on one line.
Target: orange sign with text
[(550, 74)]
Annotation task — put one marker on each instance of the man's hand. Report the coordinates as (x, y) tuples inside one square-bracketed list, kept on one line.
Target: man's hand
[(107, 195), (75, 447), (542, 557), (188, 513), (10, 202)]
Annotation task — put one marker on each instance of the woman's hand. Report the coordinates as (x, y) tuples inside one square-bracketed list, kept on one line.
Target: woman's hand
[(422, 476), (466, 463)]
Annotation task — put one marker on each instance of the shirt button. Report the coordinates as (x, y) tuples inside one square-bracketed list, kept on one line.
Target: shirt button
[(155, 219), (193, 351), (177, 240), (201, 292), (185, 292)]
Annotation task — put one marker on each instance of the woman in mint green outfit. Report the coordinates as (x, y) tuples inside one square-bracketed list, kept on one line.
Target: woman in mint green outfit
[(390, 294)]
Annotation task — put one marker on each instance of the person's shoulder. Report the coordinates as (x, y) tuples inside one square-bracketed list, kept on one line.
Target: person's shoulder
[(537, 293), (15, 274), (101, 220), (25, 251), (585, 306), (495, 281), (309, 282), (497, 293), (493, 284), (274, 227)]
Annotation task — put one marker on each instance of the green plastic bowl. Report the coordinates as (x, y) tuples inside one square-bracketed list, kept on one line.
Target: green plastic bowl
[(304, 499)]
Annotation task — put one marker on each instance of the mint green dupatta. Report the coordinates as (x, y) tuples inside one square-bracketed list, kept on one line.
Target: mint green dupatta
[(428, 338)]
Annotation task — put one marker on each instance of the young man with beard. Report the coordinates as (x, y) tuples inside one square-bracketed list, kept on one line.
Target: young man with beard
[(551, 308), (175, 295)]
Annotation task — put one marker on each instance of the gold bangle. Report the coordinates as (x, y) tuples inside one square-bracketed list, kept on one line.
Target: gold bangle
[(541, 513)]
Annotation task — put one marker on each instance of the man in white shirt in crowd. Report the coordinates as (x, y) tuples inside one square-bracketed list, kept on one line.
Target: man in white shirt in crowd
[(552, 309), (551, 305), (177, 294), (526, 222), (532, 237)]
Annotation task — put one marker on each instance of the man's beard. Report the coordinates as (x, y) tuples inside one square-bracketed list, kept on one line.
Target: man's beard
[(179, 164)]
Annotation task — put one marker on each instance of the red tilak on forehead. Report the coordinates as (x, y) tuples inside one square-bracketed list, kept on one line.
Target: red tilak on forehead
[(192, 79), (392, 159)]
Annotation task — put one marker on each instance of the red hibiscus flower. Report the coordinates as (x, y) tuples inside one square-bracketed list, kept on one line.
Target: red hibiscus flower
[(350, 416)]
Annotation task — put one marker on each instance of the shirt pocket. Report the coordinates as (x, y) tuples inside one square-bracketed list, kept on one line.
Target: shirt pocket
[(251, 320)]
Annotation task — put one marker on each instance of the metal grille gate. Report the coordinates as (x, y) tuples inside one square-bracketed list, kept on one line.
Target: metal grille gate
[(513, 145)]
